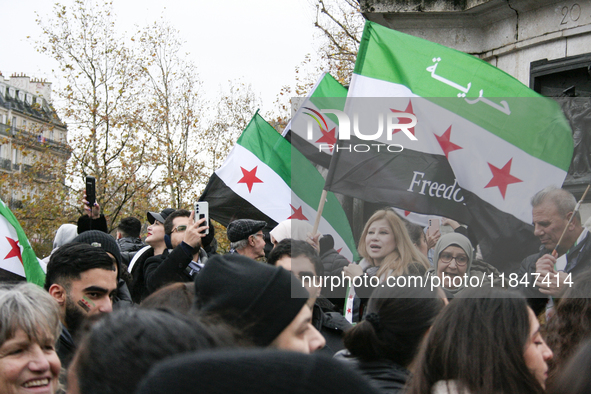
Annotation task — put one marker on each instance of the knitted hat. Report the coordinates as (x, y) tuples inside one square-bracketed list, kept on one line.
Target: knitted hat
[(161, 217), (258, 298), (242, 228), (253, 371), (101, 240)]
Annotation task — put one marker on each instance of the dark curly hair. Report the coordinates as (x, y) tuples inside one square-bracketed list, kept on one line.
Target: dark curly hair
[(571, 323)]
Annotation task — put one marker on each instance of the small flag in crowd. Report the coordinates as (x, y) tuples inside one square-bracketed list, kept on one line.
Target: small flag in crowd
[(264, 178), (17, 258)]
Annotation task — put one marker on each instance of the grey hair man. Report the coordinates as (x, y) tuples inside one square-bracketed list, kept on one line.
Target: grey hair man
[(246, 237), (551, 210)]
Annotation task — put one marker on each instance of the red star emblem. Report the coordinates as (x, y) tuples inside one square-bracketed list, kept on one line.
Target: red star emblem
[(502, 177), (249, 177), (446, 145), (406, 213), (339, 250), (349, 310), (328, 137), (297, 213), (351, 296), (408, 110), (15, 251)]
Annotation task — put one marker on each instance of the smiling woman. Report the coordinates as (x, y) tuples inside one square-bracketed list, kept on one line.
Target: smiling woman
[(29, 328), (457, 269)]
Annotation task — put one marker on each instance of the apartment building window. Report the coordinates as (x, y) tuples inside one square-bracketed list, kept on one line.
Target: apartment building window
[(567, 81)]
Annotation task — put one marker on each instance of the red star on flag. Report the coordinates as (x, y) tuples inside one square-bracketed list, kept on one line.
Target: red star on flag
[(349, 310), (249, 177), (328, 137), (406, 213), (502, 177), (297, 213), (339, 250), (408, 110), (446, 145), (15, 251), (351, 296)]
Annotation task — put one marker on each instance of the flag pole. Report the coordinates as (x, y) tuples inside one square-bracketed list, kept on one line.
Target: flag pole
[(577, 207), (319, 212)]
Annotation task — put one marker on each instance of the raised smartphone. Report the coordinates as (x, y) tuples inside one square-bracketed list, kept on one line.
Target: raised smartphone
[(90, 191), (202, 211)]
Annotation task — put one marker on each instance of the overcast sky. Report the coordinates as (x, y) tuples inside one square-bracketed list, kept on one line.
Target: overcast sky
[(260, 41)]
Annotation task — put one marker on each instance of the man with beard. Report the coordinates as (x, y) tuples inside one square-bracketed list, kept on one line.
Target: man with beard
[(83, 280)]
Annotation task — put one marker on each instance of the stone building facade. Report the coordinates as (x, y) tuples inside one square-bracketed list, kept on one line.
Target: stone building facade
[(30, 131)]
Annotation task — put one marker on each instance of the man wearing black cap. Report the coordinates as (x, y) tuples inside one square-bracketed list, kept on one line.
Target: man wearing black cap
[(246, 237), (267, 303)]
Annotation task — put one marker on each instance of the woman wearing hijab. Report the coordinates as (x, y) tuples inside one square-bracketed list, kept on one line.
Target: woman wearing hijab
[(456, 267)]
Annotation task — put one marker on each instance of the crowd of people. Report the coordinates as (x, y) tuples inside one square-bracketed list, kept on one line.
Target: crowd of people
[(170, 314)]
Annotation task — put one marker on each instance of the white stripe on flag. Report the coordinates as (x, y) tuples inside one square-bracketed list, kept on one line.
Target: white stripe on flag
[(12, 264), (273, 196), (479, 147)]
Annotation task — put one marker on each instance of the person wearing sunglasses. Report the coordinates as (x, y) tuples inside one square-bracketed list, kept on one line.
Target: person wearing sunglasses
[(455, 265), (185, 239)]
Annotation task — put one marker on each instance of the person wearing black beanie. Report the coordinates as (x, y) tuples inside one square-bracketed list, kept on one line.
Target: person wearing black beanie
[(255, 371), (267, 303)]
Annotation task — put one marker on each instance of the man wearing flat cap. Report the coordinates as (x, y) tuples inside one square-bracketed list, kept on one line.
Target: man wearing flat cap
[(246, 237)]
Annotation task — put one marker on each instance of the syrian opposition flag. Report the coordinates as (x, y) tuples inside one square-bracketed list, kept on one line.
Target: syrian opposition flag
[(17, 258), (483, 143), (263, 178), (310, 131)]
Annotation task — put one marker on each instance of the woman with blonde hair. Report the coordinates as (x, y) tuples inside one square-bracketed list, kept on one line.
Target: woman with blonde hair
[(387, 249)]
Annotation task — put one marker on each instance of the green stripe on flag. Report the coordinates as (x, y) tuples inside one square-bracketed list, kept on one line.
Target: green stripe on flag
[(268, 145), (438, 73), (326, 95), (33, 271)]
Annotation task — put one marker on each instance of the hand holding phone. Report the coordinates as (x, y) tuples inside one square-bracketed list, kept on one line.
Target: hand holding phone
[(90, 191), (202, 211)]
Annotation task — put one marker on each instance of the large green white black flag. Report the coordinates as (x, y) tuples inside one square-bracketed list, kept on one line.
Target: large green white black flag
[(264, 178), (482, 145)]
